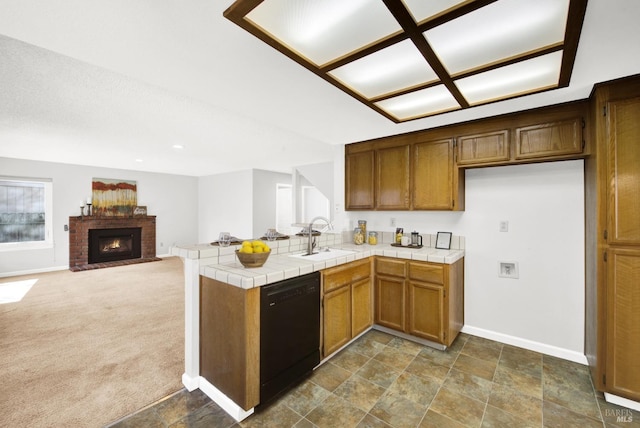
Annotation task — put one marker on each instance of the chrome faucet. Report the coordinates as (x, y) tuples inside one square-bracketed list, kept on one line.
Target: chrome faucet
[(312, 241)]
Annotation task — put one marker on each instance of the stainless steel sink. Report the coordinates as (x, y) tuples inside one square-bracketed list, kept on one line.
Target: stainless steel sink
[(324, 254)]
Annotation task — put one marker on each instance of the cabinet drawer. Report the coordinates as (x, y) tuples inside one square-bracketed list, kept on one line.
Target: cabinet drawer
[(426, 272), (339, 276), (391, 267)]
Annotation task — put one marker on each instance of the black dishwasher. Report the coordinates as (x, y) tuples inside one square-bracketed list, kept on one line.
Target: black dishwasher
[(289, 333)]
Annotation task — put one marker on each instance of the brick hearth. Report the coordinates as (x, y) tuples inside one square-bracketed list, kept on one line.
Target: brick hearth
[(79, 239)]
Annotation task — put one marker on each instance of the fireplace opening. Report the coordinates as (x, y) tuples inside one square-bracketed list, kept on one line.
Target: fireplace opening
[(109, 245)]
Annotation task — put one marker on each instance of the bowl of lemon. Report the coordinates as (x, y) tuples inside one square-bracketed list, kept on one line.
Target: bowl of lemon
[(253, 253)]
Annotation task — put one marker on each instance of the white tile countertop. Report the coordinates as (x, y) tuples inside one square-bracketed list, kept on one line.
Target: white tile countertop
[(221, 263)]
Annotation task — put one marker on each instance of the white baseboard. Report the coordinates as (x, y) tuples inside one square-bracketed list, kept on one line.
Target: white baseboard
[(543, 348), (621, 401), (189, 382), (32, 271), (227, 404)]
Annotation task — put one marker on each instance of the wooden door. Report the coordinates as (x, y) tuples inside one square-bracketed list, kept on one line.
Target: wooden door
[(433, 175), (426, 304), (392, 178), (480, 149), (390, 302), (336, 321), (549, 139), (359, 182), (624, 172), (623, 323), (361, 306)]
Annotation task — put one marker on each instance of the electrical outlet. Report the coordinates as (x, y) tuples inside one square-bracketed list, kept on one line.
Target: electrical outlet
[(393, 222), (504, 226)]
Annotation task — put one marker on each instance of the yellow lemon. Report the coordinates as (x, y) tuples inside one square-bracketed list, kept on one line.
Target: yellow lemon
[(257, 249), (246, 243), (246, 249), (258, 243), (266, 248)]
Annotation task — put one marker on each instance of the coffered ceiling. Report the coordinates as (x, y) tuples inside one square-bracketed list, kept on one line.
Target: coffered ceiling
[(120, 83)]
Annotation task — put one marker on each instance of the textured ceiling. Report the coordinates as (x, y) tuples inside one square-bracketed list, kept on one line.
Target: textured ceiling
[(107, 82)]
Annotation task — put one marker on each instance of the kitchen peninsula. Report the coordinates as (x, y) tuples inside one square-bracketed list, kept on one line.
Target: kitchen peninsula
[(216, 283)]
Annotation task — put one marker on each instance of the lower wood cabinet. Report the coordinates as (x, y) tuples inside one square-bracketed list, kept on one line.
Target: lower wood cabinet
[(420, 298), (346, 304)]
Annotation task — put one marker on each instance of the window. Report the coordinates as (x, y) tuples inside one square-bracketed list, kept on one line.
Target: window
[(25, 213)]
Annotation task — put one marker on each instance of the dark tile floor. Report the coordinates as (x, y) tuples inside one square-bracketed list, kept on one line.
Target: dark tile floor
[(384, 381)]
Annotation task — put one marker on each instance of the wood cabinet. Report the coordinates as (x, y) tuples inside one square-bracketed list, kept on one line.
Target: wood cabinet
[(346, 304), (359, 185), (484, 148), (408, 174), (420, 298), (612, 184), (392, 178), (433, 176), (623, 323), (424, 170), (549, 139), (230, 340)]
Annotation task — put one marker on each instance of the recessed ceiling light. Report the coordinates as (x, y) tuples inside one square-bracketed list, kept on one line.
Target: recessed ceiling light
[(409, 59), (138, 160), (178, 146)]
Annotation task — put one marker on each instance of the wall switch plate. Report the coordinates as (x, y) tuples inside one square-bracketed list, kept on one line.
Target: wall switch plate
[(508, 270), (393, 222), (504, 226), (66, 227)]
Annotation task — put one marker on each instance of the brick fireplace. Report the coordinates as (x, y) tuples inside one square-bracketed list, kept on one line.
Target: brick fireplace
[(79, 242)]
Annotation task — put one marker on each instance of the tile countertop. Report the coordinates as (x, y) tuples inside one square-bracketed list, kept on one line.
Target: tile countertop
[(282, 266)]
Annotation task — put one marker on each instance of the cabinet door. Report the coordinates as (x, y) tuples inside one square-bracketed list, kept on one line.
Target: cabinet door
[(392, 178), (426, 303), (624, 172), (390, 302), (361, 306), (336, 319), (359, 183), (485, 148), (549, 139), (623, 323), (433, 175)]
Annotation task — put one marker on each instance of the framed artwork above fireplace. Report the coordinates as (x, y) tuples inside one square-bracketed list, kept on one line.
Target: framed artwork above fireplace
[(113, 198)]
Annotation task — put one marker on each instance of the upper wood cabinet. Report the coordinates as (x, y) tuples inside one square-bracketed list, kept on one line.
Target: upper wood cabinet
[(433, 177), (624, 171), (392, 178), (479, 149), (549, 139), (359, 185), (406, 175)]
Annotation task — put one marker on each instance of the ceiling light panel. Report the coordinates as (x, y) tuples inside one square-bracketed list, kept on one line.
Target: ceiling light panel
[(419, 103), (501, 30), (422, 10), (481, 50), (397, 67), (322, 31), (517, 79)]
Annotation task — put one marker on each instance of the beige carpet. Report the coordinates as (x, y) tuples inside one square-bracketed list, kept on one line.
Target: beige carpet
[(83, 349)]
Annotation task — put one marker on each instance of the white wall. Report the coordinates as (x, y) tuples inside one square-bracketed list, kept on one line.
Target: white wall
[(225, 204), (264, 199), (544, 205), (172, 198)]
